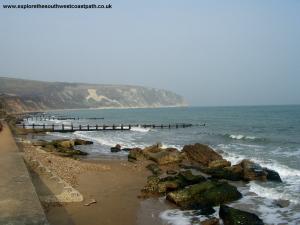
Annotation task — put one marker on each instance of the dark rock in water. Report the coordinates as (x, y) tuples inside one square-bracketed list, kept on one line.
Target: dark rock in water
[(234, 173), (154, 168), (136, 154), (219, 163), (117, 148), (282, 203), (205, 194), (171, 172), (272, 175), (126, 149), (200, 153), (211, 221), (253, 171), (231, 216), (82, 142)]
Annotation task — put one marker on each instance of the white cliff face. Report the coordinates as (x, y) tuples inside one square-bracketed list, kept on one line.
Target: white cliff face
[(37, 95)]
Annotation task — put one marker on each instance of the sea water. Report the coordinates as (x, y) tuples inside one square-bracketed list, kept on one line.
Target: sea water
[(268, 135)]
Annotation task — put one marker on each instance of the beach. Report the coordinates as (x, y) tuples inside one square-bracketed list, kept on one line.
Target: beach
[(104, 183)]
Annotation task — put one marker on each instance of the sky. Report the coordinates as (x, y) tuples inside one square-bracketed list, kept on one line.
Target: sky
[(213, 53)]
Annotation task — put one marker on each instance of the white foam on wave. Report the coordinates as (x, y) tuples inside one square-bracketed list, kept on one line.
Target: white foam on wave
[(240, 137), (179, 217), (140, 129)]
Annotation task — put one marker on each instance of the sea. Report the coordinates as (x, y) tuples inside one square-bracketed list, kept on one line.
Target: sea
[(268, 135)]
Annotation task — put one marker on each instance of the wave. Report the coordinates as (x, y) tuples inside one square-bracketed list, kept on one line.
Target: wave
[(140, 129), (241, 137)]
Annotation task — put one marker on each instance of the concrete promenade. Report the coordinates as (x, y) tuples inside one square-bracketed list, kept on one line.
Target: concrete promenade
[(19, 203)]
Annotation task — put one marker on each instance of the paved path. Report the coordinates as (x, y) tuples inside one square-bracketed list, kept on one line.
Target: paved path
[(19, 203)]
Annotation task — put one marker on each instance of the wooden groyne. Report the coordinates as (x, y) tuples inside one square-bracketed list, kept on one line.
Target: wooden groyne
[(93, 127), (45, 118)]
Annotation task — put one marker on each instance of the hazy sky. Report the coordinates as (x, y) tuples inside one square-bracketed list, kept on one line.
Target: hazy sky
[(242, 52)]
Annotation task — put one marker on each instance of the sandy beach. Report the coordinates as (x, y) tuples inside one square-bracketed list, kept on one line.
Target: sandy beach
[(114, 185)]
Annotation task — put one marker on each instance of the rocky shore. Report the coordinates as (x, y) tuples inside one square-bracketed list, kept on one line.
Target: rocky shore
[(198, 178)]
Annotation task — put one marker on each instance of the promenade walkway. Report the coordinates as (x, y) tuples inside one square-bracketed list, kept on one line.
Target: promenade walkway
[(19, 203)]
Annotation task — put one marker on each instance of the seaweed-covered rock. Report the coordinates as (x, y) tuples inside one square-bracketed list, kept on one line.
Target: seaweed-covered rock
[(152, 185), (234, 173), (136, 154), (204, 194), (232, 216), (189, 178), (82, 142), (219, 163), (272, 175), (200, 153), (154, 168), (64, 143)]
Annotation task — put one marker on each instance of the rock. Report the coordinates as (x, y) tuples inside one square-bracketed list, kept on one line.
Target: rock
[(70, 152), (234, 173), (219, 163), (152, 185), (154, 168), (41, 143), (272, 175), (136, 154), (153, 149), (200, 153), (117, 148), (282, 203), (165, 156), (253, 171), (190, 178), (205, 194), (90, 202), (171, 172), (82, 142), (211, 221), (64, 143), (126, 149), (232, 216)]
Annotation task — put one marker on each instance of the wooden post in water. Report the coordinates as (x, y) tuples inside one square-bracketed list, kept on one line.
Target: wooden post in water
[(52, 127), (104, 127), (44, 126), (72, 128), (96, 126), (129, 127), (113, 127), (88, 127), (63, 127), (33, 126), (122, 127), (176, 125), (80, 127)]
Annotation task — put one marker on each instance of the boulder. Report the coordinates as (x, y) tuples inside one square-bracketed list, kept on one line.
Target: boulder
[(117, 148), (126, 149), (201, 154), (253, 171), (82, 142), (272, 175), (211, 221), (219, 163), (282, 203), (189, 178), (156, 185), (234, 173), (152, 149), (232, 216), (165, 156), (204, 194), (154, 168), (64, 143), (136, 154)]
